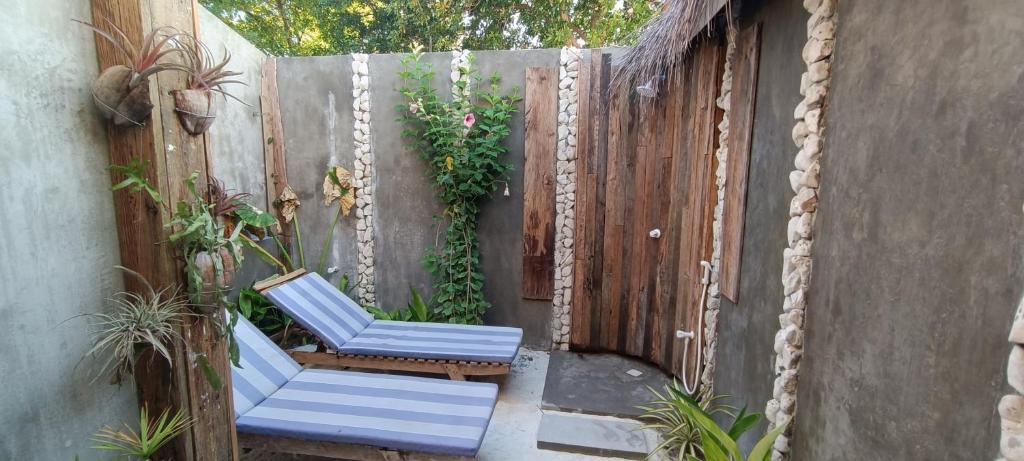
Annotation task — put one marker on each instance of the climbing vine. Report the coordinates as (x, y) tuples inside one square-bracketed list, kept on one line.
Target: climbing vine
[(461, 140)]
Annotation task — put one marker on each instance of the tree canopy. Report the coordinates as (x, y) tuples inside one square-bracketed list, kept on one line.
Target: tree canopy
[(322, 27)]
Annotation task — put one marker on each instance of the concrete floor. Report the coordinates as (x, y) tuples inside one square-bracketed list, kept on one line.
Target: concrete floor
[(512, 435)]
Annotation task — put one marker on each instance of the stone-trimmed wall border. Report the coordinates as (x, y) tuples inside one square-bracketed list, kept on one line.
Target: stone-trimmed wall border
[(808, 135), (714, 301), (1011, 406), (363, 175), (461, 60), (565, 194)]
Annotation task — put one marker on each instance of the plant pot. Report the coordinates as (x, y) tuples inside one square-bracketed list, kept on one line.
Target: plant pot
[(197, 109), (117, 98), (217, 271)]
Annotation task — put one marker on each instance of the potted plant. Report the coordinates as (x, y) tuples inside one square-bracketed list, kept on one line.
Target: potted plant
[(121, 92), (137, 323), (196, 105)]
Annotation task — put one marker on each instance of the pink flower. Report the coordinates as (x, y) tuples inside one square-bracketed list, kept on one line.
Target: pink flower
[(469, 120), (414, 108)]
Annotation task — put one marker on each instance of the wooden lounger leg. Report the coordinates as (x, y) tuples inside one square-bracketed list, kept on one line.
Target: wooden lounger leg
[(454, 372), (392, 455)]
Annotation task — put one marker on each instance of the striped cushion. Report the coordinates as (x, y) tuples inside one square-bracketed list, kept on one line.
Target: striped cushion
[(265, 367), (321, 308), (387, 411), (436, 341)]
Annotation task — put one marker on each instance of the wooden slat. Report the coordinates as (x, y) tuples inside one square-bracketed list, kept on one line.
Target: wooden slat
[(741, 129), (335, 360), (579, 330), (696, 224), (335, 450), (262, 287), (273, 139), (539, 183), (614, 219)]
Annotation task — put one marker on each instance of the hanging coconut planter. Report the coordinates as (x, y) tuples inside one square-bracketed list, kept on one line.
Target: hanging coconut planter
[(196, 105), (196, 109), (121, 92), (217, 273)]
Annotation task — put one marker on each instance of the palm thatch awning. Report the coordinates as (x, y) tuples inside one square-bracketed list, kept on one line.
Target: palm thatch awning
[(667, 39)]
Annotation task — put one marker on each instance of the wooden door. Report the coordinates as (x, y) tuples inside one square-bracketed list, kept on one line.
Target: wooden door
[(644, 164)]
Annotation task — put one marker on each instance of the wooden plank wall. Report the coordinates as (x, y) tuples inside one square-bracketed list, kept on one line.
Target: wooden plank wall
[(741, 129), (645, 164), (539, 183)]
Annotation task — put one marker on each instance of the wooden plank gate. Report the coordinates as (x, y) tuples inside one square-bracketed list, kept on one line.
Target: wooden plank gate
[(645, 164)]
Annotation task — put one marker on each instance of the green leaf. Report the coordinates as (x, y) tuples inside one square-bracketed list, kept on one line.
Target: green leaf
[(211, 375), (743, 423), (762, 450)]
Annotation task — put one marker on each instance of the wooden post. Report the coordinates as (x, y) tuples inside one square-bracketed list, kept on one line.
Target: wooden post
[(171, 155)]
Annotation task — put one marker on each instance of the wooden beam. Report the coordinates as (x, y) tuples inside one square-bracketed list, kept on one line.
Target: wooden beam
[(273, 139), (742, 103), (454, 369), (335, 450), (171, 155), (262, 287), (539, 183)]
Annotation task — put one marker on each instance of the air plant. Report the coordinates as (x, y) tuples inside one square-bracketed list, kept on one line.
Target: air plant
[(122, 91), (137, 322), (153, 434), (207, 75)]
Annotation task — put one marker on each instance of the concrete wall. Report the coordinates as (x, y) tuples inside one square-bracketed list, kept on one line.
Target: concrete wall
[(405, 203), (746, 328), (236, 137), (316, 111), (59, 242), (917, 259)]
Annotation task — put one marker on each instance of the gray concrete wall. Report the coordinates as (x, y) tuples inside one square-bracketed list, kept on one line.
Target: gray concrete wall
[(405, 203), (746, 329), (236, 137), (59, 241), (316, 111), (917, 254)]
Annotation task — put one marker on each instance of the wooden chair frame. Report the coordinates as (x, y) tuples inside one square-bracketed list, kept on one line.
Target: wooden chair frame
[(456, 370), (336, 450)]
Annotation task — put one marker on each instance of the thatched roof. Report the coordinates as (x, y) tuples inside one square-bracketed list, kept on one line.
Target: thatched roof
[(667, 39)]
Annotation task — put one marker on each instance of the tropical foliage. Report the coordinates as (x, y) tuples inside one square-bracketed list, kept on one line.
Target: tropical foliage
[(152, 435), (416, 311), (316, 27), (690, 433), (462, 143)]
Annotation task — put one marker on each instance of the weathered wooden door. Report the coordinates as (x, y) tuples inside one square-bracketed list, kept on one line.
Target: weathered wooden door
[(645, 165)]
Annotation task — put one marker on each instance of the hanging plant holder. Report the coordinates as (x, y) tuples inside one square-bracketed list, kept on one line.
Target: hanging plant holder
[(217, 273), (196, 109), (122, 97)]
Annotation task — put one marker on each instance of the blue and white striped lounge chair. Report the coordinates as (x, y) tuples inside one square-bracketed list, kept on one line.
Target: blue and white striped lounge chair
[(282, 407), (353, 338)]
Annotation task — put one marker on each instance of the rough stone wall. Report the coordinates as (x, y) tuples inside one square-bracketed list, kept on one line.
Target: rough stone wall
[(714, 301), (565, 195), (363, 178), (796, 272)]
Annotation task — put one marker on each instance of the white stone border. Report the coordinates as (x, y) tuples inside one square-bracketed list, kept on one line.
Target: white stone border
[(796, 269), (1011, 406), (460, 72), (714, 301), (565, 195), (363, 175)]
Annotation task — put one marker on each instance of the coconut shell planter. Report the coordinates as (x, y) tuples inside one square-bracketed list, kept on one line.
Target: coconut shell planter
[(217, 271), (196, 109), (121, 92), (196, 105)]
